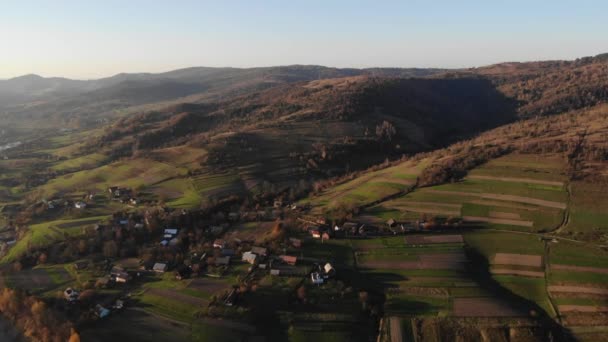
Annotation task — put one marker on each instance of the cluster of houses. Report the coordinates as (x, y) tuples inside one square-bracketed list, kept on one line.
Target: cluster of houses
[(170, 237), (351, 229), (320, 274), (123, 195)]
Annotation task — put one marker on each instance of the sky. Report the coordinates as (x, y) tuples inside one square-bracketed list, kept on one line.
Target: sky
[(93, 39)]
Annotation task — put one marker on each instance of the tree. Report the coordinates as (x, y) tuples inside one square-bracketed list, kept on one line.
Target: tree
[(110, 249), (386, 131)]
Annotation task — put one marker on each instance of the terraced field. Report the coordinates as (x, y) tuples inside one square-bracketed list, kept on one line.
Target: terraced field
[(515, 263), (528, 194), (371, 187), (429, 279), (578, 284)]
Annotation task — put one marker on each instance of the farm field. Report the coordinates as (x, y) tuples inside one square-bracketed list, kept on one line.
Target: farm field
[(527, 195), (429, 276), (515, 264), (578, 281), (370, 187), (588, 214), (45, 234)]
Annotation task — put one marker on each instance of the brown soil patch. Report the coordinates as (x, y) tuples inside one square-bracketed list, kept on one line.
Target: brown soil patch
[(502, 271), (510, 198), (517, 180), (579, 268), (518, 259), (503, 215), (431, 239), (207, 285), (398, 265), (483, 307), (180, 297), (426, 262), (528, 200), (582, 308), (519, 223), (442, 261), (577, 289), (77, 224)]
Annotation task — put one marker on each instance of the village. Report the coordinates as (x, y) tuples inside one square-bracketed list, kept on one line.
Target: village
[(213, 250)]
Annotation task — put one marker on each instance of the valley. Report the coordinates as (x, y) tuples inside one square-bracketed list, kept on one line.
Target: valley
[(309, 203)]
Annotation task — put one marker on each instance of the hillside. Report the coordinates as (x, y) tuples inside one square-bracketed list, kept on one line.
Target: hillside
[(467, 205), (518, 213), (60, 102)]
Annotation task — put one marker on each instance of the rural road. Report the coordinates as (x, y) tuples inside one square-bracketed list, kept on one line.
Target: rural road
[(396, 333)]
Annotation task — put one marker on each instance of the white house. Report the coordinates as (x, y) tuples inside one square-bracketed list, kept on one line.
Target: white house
[(80, 205)]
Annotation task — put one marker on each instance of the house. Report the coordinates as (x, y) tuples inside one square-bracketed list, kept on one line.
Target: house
[(329, 270), (80, 205), (249, 257), (171, 231), (71, 294), (275, 272), (288, 259), (261, 251), (219, 244), (316, 278), (159, 267), (222, 261), (138, 225), (122, 277), (134, 201), (297, 243), (118, 305), (101, 311)]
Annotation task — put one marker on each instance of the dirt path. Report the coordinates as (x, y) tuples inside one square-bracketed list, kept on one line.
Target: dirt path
[(517, 180), (519, 223), (396, 332), (580, 269), (518, 259), (578, 289), (582, 308), (502, 197), (566, 217)]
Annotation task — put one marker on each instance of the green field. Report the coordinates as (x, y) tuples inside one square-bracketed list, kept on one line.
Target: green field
[(493, 201), (370, 187), (47, 233)]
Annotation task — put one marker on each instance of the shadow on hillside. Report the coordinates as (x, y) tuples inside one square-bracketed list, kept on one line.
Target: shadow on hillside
[(484, 278)]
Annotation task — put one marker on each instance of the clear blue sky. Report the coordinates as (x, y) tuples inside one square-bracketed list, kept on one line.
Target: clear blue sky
[(90, 39)]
